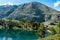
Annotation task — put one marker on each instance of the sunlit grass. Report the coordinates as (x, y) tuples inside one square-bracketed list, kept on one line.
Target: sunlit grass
[(52, 37)]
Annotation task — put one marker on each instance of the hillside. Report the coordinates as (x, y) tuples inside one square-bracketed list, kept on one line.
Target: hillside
[(6, 10), (35, 11)]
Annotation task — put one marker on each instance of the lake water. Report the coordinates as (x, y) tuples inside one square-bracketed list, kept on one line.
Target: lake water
[(18, 35)]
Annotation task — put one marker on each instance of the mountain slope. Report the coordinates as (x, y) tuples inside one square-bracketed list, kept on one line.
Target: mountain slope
[(6, 10), (35, 11)]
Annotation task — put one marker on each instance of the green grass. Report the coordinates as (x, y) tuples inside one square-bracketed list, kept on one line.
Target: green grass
[(1, 27), (52, 37)]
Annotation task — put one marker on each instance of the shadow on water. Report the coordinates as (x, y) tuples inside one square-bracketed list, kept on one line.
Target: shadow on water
[(17, 35)]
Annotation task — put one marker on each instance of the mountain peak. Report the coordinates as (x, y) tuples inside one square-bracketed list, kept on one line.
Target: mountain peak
[(35, 3), (35, 11)]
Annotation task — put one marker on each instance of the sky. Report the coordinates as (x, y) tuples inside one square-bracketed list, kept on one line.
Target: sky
[(55, 4)]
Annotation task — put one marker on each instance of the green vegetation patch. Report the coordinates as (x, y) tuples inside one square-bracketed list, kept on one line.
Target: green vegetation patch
[(52, 37)]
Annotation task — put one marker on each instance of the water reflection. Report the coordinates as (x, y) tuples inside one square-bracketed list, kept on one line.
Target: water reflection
[(18, 35), (4, 38), (9, 38)]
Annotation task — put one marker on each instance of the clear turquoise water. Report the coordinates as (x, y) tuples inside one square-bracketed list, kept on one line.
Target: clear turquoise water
[(18, 35)]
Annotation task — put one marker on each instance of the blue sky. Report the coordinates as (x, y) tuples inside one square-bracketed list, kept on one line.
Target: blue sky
[(55, 4)]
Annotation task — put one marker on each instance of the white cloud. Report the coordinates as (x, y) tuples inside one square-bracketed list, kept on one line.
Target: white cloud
[(8, 3), (56, 4)]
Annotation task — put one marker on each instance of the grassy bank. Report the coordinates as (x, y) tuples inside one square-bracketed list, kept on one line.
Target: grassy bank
[(52, 37)]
